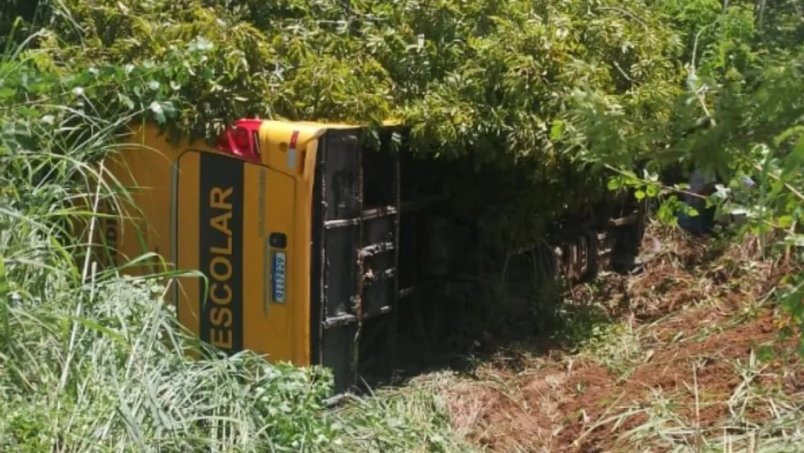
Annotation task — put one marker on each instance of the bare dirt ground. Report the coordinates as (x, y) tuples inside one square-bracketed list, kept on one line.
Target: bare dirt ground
[(691, 358)]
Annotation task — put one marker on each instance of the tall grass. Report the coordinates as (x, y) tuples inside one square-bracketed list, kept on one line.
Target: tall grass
[(91, 360), (412, 418)]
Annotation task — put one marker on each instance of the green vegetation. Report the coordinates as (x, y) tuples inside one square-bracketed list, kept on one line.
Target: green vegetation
[(412, 418), (549, 89), (557, 94)]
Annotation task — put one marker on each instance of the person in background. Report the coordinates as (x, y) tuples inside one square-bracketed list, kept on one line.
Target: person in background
[(700, 187)]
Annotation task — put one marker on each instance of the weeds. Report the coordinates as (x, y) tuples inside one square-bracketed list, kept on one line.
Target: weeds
[(411, 418), (617, 346), (758, 418)]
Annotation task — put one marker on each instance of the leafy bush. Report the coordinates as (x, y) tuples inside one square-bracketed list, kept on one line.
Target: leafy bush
[(551, 92), (740, 123)]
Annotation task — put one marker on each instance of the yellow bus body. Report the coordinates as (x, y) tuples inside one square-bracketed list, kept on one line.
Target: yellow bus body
[(201, 209)]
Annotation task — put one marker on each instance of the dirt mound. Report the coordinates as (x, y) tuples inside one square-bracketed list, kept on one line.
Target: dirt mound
[(688, 367)]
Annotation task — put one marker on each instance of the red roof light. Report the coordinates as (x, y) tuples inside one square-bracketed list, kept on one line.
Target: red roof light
[(242, 139)]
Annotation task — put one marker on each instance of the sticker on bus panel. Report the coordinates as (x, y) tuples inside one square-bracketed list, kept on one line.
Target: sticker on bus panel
[(294, 139), (278, 274)]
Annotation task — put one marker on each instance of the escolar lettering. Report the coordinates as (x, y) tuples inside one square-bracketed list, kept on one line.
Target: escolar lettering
[(220, 268)]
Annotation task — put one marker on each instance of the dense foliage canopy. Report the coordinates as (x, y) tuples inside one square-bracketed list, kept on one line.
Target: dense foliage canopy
[(552, 86)]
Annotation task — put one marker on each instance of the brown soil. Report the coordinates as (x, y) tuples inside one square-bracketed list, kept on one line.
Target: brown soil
[(701, 316)]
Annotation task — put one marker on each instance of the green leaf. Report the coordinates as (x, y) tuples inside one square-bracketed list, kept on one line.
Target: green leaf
[(765, 353), (639, 194), (126, 101), (784, 221), (557, 130), (7, 93), (797, 154), (158, 111)]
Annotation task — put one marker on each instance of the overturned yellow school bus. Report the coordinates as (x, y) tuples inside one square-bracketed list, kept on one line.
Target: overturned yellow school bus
[(308, 240)]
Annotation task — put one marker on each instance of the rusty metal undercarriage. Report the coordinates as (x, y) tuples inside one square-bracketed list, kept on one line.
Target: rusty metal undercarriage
[(385, 247)]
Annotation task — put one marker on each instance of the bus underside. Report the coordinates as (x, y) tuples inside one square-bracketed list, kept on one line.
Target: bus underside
[(393, 267)]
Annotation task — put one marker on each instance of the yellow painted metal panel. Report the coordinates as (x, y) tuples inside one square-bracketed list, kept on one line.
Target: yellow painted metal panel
[(180, 218), (145, 169), (276, 138), (189, 288), (269, 319)]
